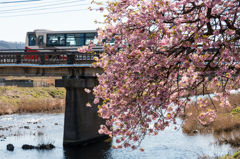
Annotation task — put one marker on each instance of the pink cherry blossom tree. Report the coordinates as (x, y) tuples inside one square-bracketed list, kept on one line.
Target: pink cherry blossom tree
[(163, 51)]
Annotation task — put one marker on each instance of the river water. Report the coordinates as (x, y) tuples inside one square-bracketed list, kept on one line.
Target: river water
[(41, 128)]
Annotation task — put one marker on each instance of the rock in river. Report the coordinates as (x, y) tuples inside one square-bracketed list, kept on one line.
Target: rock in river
[(27, 147), (10, 147), (39, 147), (45, 146), (195, 131)]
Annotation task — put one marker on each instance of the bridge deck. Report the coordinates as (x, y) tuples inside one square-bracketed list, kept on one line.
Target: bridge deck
[(47, 63), (46, 57)]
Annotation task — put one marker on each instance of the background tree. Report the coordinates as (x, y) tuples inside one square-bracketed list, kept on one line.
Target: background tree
[(168, 48)]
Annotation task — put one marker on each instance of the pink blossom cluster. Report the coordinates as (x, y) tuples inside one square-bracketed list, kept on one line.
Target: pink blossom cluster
[(207, 117), (163, 51)]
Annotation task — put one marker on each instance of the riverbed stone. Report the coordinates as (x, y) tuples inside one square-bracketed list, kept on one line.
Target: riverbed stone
[(27, 147), (195, 131), (45, 147), (10, 147)]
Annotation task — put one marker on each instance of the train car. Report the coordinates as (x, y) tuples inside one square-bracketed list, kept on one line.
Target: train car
[(59, 40), (42, 40)]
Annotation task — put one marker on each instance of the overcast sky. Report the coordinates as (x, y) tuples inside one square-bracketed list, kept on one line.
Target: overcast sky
[(20, 16)]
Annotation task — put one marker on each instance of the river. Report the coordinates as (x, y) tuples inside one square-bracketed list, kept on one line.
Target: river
[(41, 128)]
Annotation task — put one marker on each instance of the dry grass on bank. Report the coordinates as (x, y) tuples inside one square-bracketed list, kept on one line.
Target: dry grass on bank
[(31, 99), (225, 127), (225, 120)]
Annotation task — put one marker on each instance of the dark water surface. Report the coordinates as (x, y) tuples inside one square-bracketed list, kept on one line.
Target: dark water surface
[(48, 128)]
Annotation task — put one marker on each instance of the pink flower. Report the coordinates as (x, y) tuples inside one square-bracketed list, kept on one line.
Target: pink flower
[(222, 18), (141, 149), (211, 120), (216, 32), (96, 100), (134, 147), (100, 131), (87, 90), (215, 98), (126, 145), (118, 141), (101, 9), (202, 115), (119, 146), (88, 105)]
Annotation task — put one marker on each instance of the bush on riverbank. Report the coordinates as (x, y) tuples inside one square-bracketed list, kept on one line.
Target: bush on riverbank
[(227, 119), (31, 99)]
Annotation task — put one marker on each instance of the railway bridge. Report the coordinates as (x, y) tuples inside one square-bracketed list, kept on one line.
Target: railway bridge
[(81, 123)]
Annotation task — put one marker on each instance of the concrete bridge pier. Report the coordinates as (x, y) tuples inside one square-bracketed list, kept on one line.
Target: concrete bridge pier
[(81, 122)]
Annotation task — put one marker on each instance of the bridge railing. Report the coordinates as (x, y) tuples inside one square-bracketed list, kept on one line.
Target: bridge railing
[(48, 57)]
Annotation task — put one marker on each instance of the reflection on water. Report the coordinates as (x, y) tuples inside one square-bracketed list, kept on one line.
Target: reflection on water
[(97, 150), (34, 129), (231, 137), (228, 134)]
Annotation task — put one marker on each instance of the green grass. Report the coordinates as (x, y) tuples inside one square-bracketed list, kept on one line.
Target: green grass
[(236, 110), (58, 93), (30, 99), (236, 154), (10, 94)]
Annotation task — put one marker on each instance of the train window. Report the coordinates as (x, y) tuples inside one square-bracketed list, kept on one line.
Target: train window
[(90, 36), (56, 40), (40, 40), (75, 39), (32, 39), (81, 35)]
